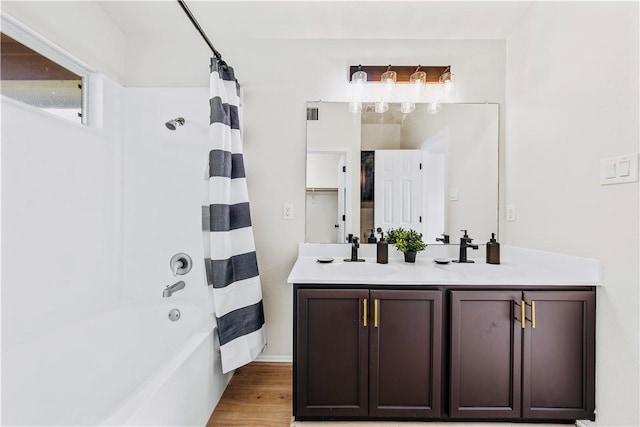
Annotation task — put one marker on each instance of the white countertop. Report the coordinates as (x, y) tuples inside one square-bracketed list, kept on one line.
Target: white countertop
[(518, 267)]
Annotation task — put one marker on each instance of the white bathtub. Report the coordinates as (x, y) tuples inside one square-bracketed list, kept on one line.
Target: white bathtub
[(128, 366)]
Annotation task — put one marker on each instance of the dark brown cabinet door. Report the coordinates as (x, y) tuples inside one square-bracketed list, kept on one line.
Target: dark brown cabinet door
[(559, 356), (331, 354), (486, 341), (405, 353)]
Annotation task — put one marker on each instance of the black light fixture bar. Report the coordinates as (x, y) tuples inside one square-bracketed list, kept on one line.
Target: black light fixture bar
[(403, 71)]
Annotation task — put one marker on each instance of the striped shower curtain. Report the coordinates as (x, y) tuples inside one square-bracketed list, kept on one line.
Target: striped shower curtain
[(230, 258)]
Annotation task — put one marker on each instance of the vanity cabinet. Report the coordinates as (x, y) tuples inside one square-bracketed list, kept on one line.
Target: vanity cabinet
[(367, 353), (522, 354)]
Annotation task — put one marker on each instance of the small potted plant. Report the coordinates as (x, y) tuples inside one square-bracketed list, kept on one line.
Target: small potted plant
[(409, 242)]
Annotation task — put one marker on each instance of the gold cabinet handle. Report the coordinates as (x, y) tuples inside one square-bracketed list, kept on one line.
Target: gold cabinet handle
[(522, 321), (533, 314), (375, 313), (364, 312)]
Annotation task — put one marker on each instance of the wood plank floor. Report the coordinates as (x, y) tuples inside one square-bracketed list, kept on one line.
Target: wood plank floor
[(258, 395)]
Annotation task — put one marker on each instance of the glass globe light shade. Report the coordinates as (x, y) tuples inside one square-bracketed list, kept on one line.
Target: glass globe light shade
[(434, 108), (446, 80), (381, 107), (359, 77), (388, 79), (418, 80), (407, 107), (358, 82)]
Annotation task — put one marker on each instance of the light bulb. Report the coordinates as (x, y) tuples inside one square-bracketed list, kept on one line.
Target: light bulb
[(446, 80), (418, 80), (434, 108), (355, 107), (388, 79), (407, 107), (358, 87), (381, 107)]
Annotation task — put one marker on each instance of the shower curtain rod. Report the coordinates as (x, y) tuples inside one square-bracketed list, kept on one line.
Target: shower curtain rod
[(199, 28)]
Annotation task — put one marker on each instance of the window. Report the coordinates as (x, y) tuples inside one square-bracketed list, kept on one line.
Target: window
[(29, 76)]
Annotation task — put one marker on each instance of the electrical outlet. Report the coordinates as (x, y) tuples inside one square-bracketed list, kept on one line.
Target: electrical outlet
[(511, 212), (287, 211)]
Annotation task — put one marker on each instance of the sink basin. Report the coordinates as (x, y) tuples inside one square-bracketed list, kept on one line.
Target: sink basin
[(360, 269)]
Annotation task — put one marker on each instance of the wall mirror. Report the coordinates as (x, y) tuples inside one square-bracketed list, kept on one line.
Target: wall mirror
[(433, 170)]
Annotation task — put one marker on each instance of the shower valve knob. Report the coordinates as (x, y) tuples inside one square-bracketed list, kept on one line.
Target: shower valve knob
[(180, 264)]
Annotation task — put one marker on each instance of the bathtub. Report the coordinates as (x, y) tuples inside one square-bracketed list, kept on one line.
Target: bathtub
[(129, 365)]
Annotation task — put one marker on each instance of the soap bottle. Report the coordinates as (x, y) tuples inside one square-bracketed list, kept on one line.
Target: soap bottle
[(382, 249), (372, 238), (493, 250)]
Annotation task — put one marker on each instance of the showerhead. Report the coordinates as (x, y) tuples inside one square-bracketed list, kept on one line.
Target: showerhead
[(173, 124)]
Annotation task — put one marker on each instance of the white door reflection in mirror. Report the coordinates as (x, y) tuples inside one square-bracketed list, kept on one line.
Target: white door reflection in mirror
[(398, 189), (434, 184)]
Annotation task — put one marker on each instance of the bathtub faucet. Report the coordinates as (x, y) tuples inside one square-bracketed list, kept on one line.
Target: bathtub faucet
[(169, 290)]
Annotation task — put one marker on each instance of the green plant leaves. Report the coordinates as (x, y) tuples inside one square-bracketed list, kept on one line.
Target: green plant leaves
[(406, 240)]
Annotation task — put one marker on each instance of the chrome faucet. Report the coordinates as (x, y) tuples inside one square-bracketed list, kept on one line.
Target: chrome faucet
[(465, 242), (355, 244), (169, 290)]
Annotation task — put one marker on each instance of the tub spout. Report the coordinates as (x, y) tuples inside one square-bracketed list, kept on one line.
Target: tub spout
[(169, 290)]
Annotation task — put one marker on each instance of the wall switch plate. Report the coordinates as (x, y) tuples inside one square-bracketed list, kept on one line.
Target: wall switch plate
[(287, 211), (511, 212), (453, 194), (619, 170)]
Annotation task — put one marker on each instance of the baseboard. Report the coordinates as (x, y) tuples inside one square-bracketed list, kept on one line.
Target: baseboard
[(276, 359)]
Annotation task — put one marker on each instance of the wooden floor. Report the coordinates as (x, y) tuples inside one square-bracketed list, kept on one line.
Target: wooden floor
[(258, 395)]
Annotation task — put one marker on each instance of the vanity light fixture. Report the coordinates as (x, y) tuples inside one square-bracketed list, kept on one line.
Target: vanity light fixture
[(430, 84)]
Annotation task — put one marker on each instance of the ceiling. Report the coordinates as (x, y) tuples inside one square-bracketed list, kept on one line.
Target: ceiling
[(418, 20)]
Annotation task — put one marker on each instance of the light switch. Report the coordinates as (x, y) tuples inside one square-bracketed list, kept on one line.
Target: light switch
[(610, 170), (453, 194), (619, 170), (624, 168)]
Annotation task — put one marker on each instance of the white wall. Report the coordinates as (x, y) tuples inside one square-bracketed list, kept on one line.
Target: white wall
[(60, 218), (163, 189), (380, 136), (322, 170), (81, 27), (572, 99)]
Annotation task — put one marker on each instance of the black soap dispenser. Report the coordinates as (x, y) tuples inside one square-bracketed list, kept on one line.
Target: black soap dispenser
[(493, 250), (372, 238), (382, 249)]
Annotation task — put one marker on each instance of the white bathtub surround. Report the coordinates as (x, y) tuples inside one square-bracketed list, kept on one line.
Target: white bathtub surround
[(118, 368), (519, 266)]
